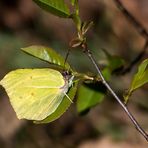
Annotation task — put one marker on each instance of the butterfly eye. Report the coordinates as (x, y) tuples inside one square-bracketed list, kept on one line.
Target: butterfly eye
[(66, 74)]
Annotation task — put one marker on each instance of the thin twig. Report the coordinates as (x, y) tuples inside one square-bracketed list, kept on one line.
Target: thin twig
[(132, 118), (136, 60), (66, 57), (139, 27)]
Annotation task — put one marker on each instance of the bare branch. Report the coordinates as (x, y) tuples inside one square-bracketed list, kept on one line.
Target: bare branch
[(136, 60), (142, 31), (139, 27), (132, 118)]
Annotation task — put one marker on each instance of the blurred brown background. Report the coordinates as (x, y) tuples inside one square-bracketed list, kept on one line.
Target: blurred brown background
[(22, 23)]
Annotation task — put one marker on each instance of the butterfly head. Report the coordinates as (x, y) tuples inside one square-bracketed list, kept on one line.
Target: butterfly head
[(68, 76)]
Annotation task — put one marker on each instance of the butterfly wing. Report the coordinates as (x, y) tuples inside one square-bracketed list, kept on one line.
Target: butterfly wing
[(34, 93)]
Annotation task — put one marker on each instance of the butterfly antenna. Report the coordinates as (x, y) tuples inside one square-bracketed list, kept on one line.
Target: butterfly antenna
[(68, 98), (67, 54)]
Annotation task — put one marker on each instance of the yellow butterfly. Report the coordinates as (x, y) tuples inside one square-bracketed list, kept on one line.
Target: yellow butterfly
[(36, 93)]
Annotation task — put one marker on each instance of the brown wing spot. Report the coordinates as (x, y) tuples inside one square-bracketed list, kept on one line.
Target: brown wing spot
[(32, 94), (31, 77), (20, 97)]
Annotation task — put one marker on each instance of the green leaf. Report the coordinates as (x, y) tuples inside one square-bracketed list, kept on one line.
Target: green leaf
[(56, 7), (62, 107), (47, 54), (114, 62), (90, 95), (106, 73), (140, 78)]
